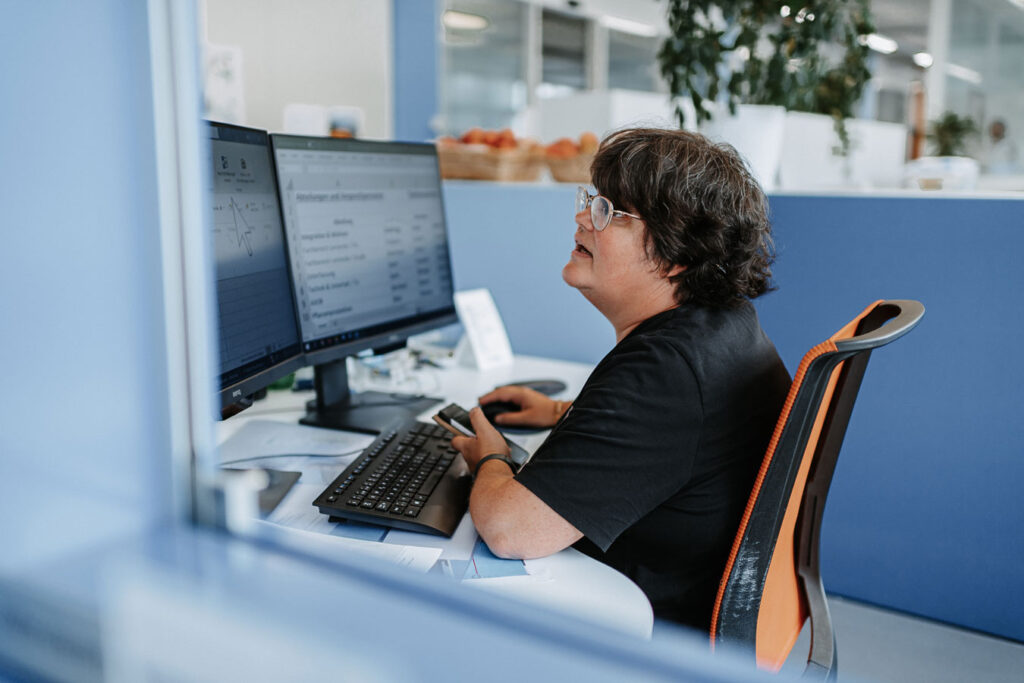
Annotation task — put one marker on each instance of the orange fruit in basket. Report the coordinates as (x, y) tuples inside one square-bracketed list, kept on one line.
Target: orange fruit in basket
[(563, 148), (588, 143), (507, 139), (474, 136)]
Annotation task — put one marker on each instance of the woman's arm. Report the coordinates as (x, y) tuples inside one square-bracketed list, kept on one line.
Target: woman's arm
[(513, 521)]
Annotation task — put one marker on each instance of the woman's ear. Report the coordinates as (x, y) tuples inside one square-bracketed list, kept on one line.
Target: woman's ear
[(675, 270)]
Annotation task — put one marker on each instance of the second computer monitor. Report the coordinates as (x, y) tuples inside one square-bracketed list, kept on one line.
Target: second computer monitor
[(368, 246), (259, 335)]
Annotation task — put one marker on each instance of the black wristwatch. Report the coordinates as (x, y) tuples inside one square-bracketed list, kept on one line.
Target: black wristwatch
[(496, 456)]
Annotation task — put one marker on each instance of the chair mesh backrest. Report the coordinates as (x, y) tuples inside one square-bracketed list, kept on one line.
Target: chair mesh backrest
[(760, 599)]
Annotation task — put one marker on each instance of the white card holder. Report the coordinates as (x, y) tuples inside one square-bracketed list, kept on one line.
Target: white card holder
[(485, 343)]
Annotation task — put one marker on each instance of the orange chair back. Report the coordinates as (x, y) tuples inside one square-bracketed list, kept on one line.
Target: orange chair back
[(771, 581)]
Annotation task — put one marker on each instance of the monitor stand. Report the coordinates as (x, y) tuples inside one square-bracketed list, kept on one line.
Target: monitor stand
[(370, 412)]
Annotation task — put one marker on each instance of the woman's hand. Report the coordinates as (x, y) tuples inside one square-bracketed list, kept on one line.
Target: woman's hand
[(535, 409), (487, 440)]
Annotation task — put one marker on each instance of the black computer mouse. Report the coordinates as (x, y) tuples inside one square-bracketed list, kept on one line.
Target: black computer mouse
[(544, 386), (495, 408)]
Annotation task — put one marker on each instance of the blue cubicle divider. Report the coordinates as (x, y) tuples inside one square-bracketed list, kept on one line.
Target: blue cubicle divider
[(926, 511), (514, 240), (81, 288)]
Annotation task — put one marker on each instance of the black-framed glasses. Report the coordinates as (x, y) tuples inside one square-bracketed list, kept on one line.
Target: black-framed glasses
[(601, 209)]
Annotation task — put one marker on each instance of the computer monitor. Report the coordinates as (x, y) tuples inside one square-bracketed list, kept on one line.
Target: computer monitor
[(368, 244), (259, 333)]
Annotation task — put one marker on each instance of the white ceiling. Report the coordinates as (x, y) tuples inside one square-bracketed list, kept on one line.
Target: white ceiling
[(905, 21)]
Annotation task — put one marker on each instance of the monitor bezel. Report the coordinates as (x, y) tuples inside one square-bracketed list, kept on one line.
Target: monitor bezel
[(394, 335), (242, 389)]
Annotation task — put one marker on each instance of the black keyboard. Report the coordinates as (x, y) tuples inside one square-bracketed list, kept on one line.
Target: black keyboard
[(408, 478)]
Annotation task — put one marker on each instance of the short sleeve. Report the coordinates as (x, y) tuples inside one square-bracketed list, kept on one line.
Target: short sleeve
[(627, 444)]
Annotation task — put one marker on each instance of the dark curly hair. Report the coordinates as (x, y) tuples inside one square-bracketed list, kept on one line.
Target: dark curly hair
[(702, 209)]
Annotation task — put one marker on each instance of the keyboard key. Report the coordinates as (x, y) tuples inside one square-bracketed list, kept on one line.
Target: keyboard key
[(430, 483)]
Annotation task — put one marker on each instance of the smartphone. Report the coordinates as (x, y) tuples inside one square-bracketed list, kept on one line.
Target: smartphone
[(455, 419)]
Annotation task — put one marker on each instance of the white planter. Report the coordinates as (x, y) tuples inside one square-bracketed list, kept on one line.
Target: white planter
[(878, 151), (942, 173), (812, 156), (598, 111), (756, 132)]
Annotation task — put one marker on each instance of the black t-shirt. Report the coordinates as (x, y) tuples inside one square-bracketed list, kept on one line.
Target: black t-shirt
[(656, 458)]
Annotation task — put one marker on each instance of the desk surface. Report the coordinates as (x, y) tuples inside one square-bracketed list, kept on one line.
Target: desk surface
[(567, 581)]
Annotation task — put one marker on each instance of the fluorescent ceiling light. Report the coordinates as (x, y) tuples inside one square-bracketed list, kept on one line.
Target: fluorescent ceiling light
[(923, 59), (628, 26), (963, 73), (1019, 4), (464, 21), (880, 43)]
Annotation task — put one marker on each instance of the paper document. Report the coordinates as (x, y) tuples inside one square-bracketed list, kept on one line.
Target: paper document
[(296, 511), (486, 565), (333, 547), (269, 438), (482, 564), (458, 547)]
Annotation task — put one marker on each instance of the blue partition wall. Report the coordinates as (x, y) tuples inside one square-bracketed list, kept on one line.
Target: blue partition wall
[(925, 510), (84, 432)]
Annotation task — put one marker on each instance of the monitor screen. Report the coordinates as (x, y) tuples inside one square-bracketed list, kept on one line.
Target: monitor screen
[(367, 240), (259, 336)]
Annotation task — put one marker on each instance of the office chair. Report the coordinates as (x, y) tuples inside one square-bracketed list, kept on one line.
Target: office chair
[(771, 582)]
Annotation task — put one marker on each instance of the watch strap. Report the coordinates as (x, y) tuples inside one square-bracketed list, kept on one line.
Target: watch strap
[(496, 456)]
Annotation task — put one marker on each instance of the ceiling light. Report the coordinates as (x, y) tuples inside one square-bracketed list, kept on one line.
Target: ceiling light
[(963, 73), (628, 26), (464, 21), (880, 43), (1019, 4), (923, 59)]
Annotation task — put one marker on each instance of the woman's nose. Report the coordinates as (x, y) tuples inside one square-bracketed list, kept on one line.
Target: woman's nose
[(583, 220)]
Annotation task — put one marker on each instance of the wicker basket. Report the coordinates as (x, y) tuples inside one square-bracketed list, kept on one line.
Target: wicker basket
[(574, 170), (480, 162)]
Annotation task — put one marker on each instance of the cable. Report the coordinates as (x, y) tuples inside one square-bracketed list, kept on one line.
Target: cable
[(293, 455)]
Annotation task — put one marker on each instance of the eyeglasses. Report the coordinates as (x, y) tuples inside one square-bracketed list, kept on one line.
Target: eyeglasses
[(601, 209)]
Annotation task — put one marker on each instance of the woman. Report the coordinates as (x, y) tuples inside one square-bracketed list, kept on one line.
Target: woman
[(650, 467)]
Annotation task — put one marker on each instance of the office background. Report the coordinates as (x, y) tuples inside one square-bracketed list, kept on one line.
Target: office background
[(925, 511)]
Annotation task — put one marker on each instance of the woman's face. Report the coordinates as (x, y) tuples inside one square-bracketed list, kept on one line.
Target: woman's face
[(611, 267)]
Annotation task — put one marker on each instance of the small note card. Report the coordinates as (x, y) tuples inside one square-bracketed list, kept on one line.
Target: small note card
[(485, 344)]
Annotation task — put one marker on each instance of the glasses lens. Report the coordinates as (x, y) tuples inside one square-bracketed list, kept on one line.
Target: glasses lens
[(600, 212), (581, 198)]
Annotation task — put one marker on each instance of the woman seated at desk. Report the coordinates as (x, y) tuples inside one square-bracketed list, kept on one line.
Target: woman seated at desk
[(649, 469)]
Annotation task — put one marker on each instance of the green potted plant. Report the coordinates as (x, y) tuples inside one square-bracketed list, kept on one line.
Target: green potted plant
[(737, 53), (948, 134)]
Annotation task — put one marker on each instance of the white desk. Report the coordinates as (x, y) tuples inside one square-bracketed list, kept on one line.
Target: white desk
[(567, 581)]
